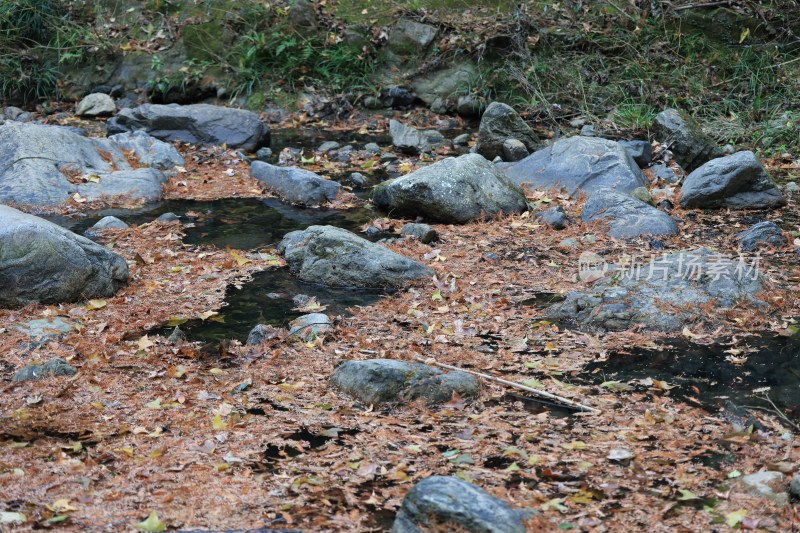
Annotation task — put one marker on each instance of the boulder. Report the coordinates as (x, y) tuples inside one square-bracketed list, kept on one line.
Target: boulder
[(455, 189), (295, 184), (514, 150), (53, 368), (261, 333), (338, 258), (690, 146), (737, 181), (108, 222), (762, 233), (579, 164), (641, 152), (412, 141), (664, 294), (422, 232), (627, 217), (555, 217), (409, 37), (380, 381), (169, 216), (41, 262), (148, 150), (196, 123), (445, 84), (96, 104), (498, 123), (448, 503), (45, 165), (309, 327)]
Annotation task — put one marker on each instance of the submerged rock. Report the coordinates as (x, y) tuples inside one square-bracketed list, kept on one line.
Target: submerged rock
[(46, 165), (440, 503), (378, 381), (196, 123), (664, 294), (338, 258), (737, 181), (54, 367), (690, 146), (30, 271), (261, 333), (761, 233), (627, 217), (295, 185), (579, 164), (456, 190), (499, 123)]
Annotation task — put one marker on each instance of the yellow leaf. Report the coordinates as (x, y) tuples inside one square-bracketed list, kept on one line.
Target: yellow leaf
[(744, 35), (155, 404), (575, 445), (145, 343), (207, 314), (61, 506), (218, 423), (152, 523), (240, 260), (96, 304), (437, 296), (735, 518)]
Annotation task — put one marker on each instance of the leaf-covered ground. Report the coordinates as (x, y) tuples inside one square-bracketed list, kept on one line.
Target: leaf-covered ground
[(235, 437)]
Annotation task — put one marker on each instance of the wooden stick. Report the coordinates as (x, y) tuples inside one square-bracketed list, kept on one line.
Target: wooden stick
[(534, 392)]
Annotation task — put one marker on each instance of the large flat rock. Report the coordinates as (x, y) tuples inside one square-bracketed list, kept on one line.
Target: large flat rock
[(579, 164), (196, 123), (45, 165), (295, 185), (338, 258)]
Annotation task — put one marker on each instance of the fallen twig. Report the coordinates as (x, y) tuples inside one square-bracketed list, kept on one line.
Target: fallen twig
[(538, 393)]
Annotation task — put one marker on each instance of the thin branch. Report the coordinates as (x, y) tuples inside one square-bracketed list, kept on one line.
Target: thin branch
[(538, 393)]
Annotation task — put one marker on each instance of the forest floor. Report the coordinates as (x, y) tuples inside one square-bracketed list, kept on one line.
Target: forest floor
[(221, 437)]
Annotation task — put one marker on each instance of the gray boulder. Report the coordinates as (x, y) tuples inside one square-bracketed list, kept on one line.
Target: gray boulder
[(555, 217), (378, 381), (761, 233), (737, 181), (148, 150), (196, 123), (309, 327), (169, 216), (664, 294), (295, 184), (455, 190), (498, 123), (627, 217), (439, 503), (108, 222), (261, 333), (53, 368), (409, 37), (444, 84), (690, 146), (579, 164), (338, 258), (514, 150), (41, 262), (422, 232), (412, 141), (45, 165), (641, 152), (96, 104)]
